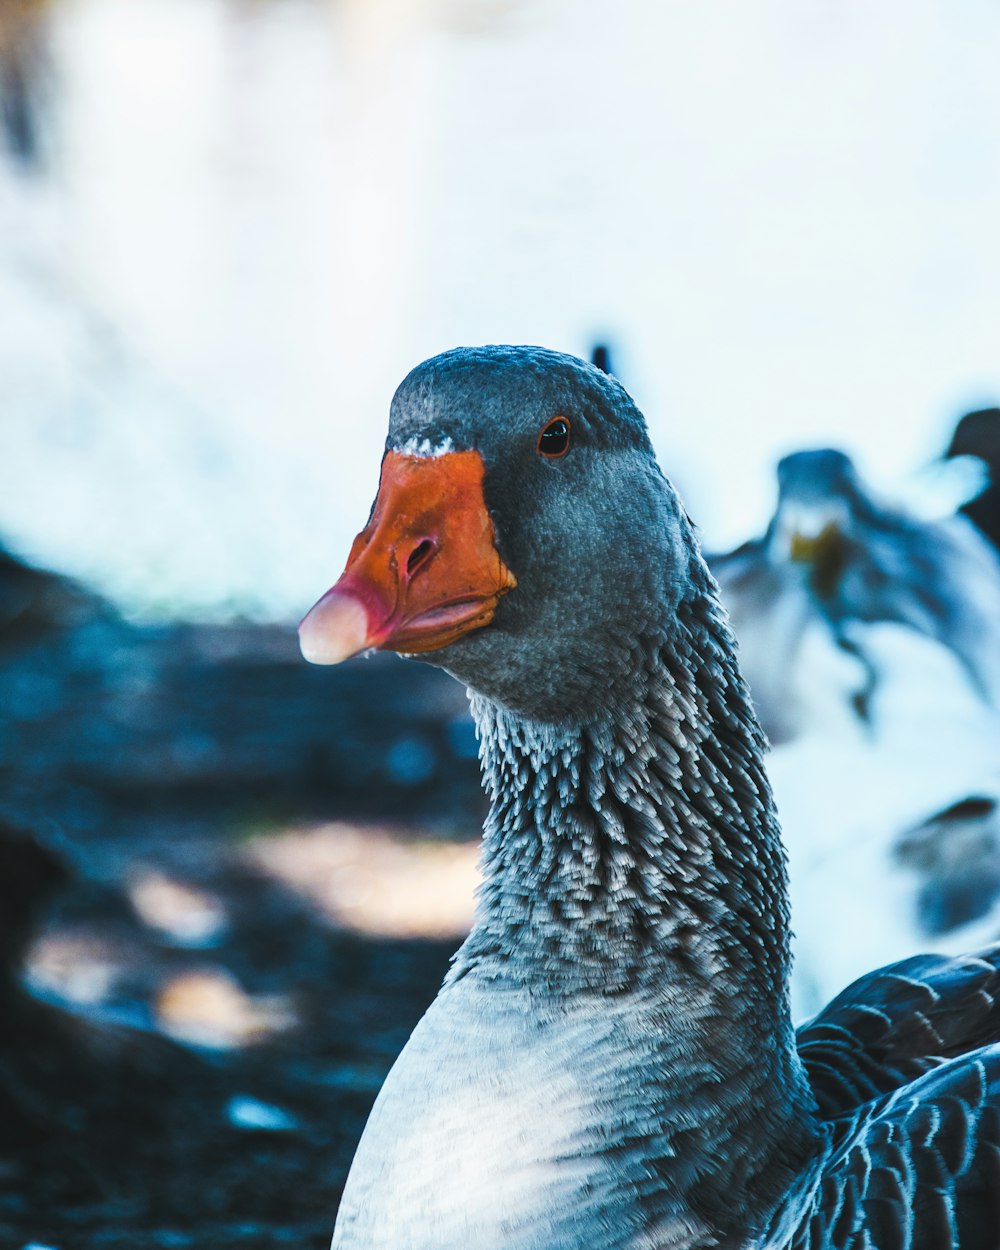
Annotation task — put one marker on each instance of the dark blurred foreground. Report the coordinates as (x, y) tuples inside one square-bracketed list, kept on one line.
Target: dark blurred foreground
[(164, 752)]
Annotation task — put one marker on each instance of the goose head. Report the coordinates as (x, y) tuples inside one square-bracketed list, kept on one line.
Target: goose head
[(819, 493), (523, 536)]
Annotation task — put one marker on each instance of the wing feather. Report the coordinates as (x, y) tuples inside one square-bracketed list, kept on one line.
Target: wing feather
[(895, 1025), (918, 1169)]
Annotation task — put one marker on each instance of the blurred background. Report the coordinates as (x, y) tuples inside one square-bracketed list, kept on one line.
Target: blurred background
[(229, 884)]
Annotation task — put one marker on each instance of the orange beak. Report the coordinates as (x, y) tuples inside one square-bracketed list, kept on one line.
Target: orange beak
[(423, 572)]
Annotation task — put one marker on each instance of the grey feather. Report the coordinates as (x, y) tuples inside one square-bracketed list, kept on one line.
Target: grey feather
[(611, 1061)]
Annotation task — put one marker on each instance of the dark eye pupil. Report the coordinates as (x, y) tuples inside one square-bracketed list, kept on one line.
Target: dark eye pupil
[(554, 439)]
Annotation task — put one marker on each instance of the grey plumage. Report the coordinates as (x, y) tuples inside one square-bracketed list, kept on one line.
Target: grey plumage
[(611, 1061), (894, 1025)]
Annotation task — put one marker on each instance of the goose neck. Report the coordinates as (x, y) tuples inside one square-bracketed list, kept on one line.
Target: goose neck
[(642, 841)]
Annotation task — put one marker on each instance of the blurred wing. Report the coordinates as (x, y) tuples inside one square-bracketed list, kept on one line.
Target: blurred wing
[(957, 854), (894, 1025), (770, 610), (940, 489), (734, 566)]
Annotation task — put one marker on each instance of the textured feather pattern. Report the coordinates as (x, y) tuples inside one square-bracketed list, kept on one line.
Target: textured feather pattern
[(898, 1023), (504, 1125), (916, 1170), (909, 1089), (594, 1072), (610, 1064)]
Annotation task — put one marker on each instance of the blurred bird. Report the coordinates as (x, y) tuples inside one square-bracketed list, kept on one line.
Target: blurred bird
[(833, 551), (978, 434)]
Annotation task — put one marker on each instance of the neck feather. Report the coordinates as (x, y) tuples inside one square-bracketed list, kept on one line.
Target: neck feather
[(645, 836), (639, 855)]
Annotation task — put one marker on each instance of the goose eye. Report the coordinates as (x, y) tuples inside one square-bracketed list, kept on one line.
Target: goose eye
[(553, 441)]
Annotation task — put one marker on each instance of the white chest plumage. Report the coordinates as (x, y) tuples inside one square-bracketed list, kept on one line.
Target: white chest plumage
[(491, 1132)]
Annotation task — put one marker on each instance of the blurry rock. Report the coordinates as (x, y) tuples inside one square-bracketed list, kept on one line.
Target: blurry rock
[(245, 1112), (30, 874), (160, 746), (410, 761), (183, 914), (74, 968), (34, 602), (208, 1007), (374, 881), (102, 720)]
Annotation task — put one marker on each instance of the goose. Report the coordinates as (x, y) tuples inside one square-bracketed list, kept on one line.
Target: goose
[(611, 1060), (834, 549)]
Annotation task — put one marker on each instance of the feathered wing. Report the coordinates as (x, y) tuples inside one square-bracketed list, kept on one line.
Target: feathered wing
[(905, 1068), (894, 1025), (916, 1170)]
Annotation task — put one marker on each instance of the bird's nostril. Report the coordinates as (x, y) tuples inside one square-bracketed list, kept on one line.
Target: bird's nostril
[(419, 556)]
